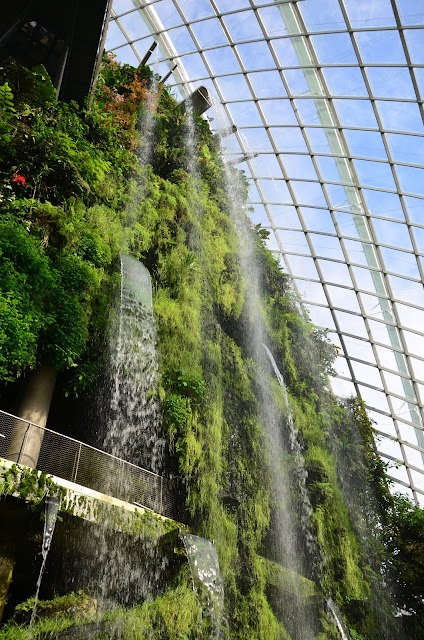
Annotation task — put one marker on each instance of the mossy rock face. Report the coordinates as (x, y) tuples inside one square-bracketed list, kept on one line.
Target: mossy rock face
[(87, 198), (92, 631), (74, 605)]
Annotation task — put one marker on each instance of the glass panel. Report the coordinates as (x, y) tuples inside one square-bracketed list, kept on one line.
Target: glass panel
[(389, 447), (115, 37), (256, 57), (394, 384), (266, 164), (410, 317), (418, 233), (257, 140), (182, 40), (407, 291), (127, 56), (387, 358), (196, 9), (319, 139), (415, 208), (120, 6), (321, 317), (335, 272), (222, 60), (375, 174), (382, 204), (405, 148), (367, 374), (243, 26), (365, 143), (285, 217), (400, 474), (259, 215), (294, 242), (349, 323), (400, 262), (167, 13), (341, 367), (346, 224), (288, 139), (234, 88), (245, 114), (360, 349), (363, 13), (331, 169), (329, 16), (285, 49), (310, 111), (209, 33), (334, 47), (298, 166), (308, 193), (410, 11), (380, 46), (373, 398), (356, 252), (318, 220), (350, 112), (327, 246), (231, 5), (303, 267), (383, 423), (297, 81), (342, 388), (267, 82), (311, 291), (400, 116), (278, 112), (392, 233), (343, 298), (390, 82), (273, 21), (414, 39), (195, 66), (414, 342), (275, 191), (418, 481), (341, 83), (411, 179)]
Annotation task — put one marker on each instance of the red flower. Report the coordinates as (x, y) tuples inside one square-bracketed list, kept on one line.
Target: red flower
[(18, 179)]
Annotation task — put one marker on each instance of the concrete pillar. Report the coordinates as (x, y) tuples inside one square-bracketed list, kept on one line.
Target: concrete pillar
[(27, 438), (7, 561)]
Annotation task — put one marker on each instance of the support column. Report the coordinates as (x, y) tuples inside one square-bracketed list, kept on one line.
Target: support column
[(27, 437)]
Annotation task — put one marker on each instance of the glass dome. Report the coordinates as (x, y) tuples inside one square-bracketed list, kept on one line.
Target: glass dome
[(327, 98)]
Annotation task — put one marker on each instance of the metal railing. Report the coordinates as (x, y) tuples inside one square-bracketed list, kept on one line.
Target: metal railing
[(27, 443)]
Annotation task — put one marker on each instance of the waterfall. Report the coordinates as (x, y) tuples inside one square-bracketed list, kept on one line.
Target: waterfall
[(336, 614), (132, 418), (207, 583), (50, 517), (301, 472), (292, 534)]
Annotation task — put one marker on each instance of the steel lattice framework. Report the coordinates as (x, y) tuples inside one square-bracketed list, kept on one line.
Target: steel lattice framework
[(329, 94)]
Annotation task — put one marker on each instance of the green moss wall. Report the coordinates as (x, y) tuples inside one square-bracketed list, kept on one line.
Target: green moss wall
[(73, 195)]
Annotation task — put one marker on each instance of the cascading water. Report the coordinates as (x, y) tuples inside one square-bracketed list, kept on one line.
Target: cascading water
[(50, 515), (336, 614), (299, 461), (291, 545), (207, 583), (127, 570), (132, 420)]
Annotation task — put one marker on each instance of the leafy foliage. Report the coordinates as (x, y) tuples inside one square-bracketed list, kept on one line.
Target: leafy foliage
[(83, 199)]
